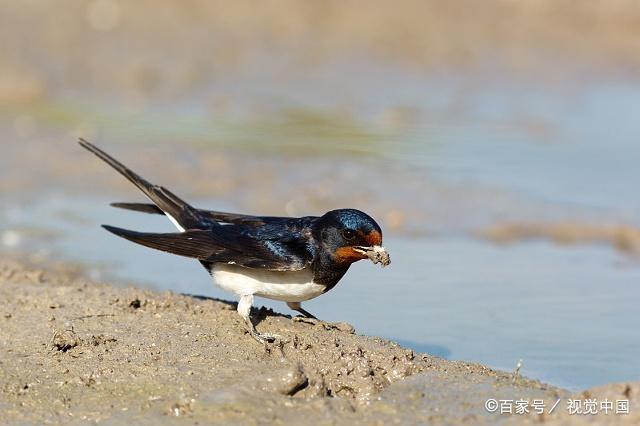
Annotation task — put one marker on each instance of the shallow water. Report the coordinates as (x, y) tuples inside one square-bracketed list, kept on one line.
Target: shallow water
[(568, 314)]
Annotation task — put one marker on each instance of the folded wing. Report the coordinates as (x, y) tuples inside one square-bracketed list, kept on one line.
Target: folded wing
[(211, 215), (235, 248)]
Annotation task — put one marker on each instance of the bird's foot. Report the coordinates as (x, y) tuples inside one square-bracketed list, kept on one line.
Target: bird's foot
[(341, 326), (263, 338), (306, 320)]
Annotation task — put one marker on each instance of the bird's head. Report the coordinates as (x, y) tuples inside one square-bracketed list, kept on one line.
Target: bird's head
[(350, 235)]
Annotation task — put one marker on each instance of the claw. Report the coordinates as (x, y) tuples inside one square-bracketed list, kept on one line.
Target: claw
[(306, 320), (263, 338), (340, 326)]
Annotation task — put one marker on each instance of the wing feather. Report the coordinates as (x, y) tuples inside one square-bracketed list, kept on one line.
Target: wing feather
[(234, 247), (211, 215)]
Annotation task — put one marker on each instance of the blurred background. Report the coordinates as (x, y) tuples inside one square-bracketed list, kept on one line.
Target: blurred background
[(496, 143)]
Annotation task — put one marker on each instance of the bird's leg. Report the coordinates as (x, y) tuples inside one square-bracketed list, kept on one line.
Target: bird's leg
[(296, 306), (244, 309)]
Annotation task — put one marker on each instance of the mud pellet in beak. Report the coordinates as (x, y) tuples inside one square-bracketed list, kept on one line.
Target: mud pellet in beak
[(378, 254)]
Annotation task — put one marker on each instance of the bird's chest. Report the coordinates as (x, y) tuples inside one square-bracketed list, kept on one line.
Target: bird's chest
[(290, 286)]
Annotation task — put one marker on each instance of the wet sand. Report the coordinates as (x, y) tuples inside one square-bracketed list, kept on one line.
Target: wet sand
[(75, 350)]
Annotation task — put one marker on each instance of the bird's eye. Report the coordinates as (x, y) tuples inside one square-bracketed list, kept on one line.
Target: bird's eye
[(348, 234)]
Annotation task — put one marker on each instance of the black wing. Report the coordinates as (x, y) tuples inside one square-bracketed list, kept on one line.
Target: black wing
[(215, 216), (278, 244), (227, 245), (166, 201)]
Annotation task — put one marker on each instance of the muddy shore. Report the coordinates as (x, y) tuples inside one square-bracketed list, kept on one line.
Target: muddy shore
[(72, 350)]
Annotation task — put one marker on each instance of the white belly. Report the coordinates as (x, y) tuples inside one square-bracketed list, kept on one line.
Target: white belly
[(295, 286)]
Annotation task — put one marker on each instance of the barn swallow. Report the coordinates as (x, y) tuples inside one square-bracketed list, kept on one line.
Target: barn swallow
[(281, 258)]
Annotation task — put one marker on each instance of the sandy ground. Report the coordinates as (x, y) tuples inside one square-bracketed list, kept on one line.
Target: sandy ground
[(77, 351)]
